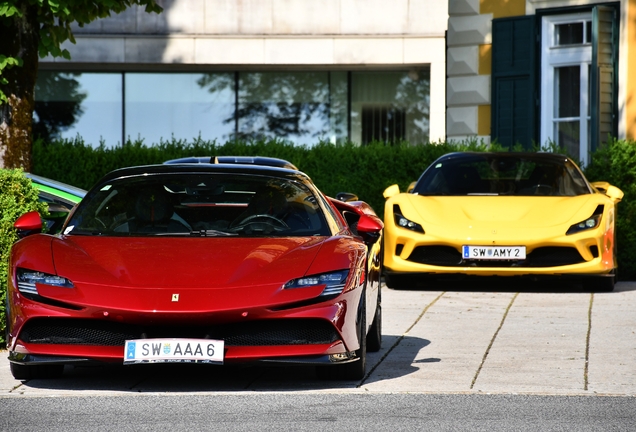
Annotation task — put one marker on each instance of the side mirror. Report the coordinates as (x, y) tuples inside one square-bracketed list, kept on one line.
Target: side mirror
[(411, 187), (346, 196), (601, 186), (369, 228), (614, 193), (29, 223), (391, 191)]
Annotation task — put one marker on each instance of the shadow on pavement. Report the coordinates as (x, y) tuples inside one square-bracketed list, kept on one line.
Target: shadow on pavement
[(400, 362), (177, 378), (510, 284)]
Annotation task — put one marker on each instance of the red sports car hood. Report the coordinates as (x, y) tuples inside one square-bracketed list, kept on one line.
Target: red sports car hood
[(161, 262)]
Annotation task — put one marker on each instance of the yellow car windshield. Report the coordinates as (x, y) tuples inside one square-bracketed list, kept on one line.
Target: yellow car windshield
[(503, 174)]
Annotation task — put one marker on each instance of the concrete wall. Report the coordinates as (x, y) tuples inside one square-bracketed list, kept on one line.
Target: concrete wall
[(280, 17)]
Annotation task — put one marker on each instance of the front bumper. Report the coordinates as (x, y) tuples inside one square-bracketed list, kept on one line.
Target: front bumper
[(95, 355), (590, 253), (318, 333)]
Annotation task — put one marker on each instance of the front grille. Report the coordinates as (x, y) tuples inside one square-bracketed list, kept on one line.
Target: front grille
[(436, 255), (553, 256), (550, 256), (287, 332), (105, 333), (77, 332)]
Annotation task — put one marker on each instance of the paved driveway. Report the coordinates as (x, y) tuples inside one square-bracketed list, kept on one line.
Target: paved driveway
[(499, 337)]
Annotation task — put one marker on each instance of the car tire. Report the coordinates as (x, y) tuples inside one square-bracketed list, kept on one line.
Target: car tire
[(355, 370), (374, 337), (396, 282), (26, 372), (601, 284)]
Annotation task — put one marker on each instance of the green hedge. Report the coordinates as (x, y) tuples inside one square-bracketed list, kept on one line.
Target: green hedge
[(364, 170), (17, 196), (616, 163)]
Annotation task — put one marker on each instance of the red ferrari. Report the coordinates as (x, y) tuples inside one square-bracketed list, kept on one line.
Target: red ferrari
[(206, 263)]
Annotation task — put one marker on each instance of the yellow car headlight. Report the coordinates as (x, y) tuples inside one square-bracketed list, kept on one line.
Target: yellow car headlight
[(587, 224), (403, 222)]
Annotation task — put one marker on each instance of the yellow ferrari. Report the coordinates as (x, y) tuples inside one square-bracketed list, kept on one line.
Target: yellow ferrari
[(501, 214)]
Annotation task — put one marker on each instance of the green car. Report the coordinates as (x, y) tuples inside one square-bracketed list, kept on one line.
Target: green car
[(60, 197)]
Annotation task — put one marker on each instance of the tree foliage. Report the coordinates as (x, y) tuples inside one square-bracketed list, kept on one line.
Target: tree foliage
[(30, 29)]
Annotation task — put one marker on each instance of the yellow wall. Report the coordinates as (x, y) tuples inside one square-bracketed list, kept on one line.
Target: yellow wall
[(483, 119), (498, 9), (485, 68), (502, 8), (485, 59), (630, 96)]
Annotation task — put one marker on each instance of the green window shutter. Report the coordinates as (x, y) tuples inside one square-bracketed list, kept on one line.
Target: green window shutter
[(603, 79), (513, 81)]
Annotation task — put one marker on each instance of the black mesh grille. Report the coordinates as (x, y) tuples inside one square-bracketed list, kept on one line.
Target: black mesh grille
[(436, 255), (77, 332), (551, 256), (288, 332), (104, 333)]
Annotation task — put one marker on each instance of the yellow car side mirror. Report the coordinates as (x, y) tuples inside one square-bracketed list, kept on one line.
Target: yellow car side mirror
[(411, 187), (601, 186), (391, 191), (614, 193)]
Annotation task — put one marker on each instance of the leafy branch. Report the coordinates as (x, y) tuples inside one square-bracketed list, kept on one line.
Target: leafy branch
[(53, 23)]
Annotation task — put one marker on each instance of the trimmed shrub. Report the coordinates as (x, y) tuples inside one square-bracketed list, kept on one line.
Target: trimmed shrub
[(616, 164), (17, 196), (363, 170)]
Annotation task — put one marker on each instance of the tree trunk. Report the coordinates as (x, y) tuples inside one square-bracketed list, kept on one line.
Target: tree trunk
[(19, 37)]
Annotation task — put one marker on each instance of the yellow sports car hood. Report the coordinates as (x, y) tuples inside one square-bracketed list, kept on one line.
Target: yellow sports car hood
[(474, 212)]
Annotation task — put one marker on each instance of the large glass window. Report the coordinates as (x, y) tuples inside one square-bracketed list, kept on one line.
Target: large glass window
[(287, 105), (390, 106), (180, 105), (298, 106), (85, 104)]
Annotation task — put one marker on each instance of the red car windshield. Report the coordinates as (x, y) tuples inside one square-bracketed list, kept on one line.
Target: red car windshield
[(199, 205)]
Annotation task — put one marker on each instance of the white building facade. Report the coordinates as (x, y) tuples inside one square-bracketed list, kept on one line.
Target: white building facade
[(305, 72)]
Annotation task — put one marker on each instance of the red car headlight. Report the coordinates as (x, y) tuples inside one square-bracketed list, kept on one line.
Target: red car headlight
[(334, 282), (26, 280)]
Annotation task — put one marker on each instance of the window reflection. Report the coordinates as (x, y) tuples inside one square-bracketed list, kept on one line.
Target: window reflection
[(288, 105), (568, 108), (568, 87), (390, 106), (164, 105), (85, 104), (300, 107)]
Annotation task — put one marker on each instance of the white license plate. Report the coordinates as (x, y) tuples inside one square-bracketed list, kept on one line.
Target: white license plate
[(494, 252), (173, 350)]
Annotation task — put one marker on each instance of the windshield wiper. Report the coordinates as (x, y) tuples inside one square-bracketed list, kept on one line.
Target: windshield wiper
[(211, 233)]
